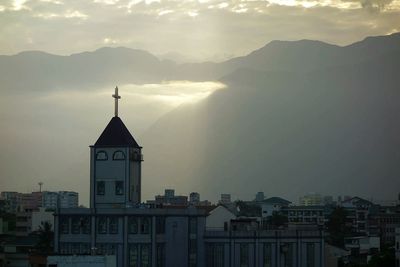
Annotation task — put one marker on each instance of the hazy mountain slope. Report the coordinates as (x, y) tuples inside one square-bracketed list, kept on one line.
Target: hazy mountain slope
[(298, 56), (37, 71), (334, 131)]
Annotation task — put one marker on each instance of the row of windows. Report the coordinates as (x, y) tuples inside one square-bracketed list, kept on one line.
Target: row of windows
[(109, 225), (84, 248), (117, 155), (79, 225), (118, 188), (305, 213), (215, 254), (139, 254), (74, 248)]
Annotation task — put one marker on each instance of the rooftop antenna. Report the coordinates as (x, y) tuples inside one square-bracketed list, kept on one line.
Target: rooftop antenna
[(40, 186)]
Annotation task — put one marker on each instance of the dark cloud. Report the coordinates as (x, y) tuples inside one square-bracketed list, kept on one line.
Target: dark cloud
[(372, 5)]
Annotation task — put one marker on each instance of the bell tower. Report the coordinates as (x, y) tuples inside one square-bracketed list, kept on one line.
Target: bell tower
[(115, 166)]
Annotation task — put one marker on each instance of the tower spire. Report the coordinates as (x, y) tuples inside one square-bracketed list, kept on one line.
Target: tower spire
[(116, 97)]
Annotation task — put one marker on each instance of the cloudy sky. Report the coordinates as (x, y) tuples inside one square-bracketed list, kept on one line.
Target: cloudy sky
[(196, 30)]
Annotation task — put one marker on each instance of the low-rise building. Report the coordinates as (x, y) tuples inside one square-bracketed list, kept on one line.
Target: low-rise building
[(303, 215), (50, 200), (387, 220), (194, 198), (23, 225), (225, 199), (68, 199), (311, 199), (169, 198), (362, 244), (358, 213), (273, 204), (12, 199)]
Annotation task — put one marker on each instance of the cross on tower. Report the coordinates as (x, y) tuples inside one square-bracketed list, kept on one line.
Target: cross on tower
[(116, 96)]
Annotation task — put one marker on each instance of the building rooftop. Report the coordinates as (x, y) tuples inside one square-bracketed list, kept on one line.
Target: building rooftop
[(276, 200), (116, 134)]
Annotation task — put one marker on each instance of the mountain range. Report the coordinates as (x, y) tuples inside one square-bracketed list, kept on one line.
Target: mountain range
[(295, 117)]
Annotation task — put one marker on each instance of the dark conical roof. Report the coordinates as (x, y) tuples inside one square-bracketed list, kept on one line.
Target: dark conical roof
[(116, 134)]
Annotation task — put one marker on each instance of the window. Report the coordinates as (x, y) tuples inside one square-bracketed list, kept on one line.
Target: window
[(145, 255), (76, 225), (64, 248), (101, 249), (192, 252), (287, 253), (119, 188), (193, 225), (106, 249), (310, 255), (215, 255), (111, 249), (75, 248), (101, 155), (267, 255), (102, 225), (134, 255), (244, 255), (85, 224), (145, 226), (139, 253), (85, 248), (160, 257), (64, 225), (132, 225), (113, 226), (118, 155), (101, 188)]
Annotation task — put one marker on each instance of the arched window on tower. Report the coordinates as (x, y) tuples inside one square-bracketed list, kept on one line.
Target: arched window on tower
[(101, 155), (119, 155)]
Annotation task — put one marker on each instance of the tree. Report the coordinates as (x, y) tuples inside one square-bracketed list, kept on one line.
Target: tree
[(278, 219), (337, 227), (248, 209), (46, 237), (385, 258)]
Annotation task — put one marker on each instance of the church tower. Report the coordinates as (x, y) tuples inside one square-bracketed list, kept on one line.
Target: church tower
[(115, 166)]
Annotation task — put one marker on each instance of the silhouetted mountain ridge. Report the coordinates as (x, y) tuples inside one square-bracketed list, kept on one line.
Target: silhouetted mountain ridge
[(40, 71)]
